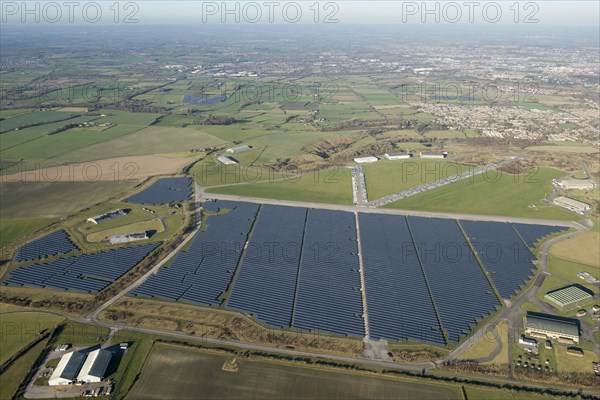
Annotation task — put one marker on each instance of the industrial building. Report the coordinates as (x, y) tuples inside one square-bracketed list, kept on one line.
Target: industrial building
[(95, 366), (434, 155), (569, 297), (128, 237), (366, 160), (546, 326), (397, 156), (571, 204), (584, 184), (67, 369), (98, 219), (227, 160), (81, 366), (239, 149)]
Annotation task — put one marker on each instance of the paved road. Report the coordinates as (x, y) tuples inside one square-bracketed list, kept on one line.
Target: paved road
[(390, 211)]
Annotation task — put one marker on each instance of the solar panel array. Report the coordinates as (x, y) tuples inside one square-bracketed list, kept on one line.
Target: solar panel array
[(532, 233), (398, 300), (461, 292), (86, 273), (266, 282), (163, 191), (54, 243), (328, 295), (503, 254), (201, 274)]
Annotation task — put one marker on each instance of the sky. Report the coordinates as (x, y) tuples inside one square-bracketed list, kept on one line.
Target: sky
[(546, 12), (443, 12)]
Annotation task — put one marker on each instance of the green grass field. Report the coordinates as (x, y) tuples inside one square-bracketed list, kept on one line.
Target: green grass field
[(333, 186), (388, 177), (200, 372), (32, 200), (150, 140), (507, 195), (14, 375), (18, 330), (14, 229), (78, 334)]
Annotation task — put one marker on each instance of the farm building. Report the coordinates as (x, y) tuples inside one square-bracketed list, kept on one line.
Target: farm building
[(239, 149), (434, 155), (572, 205), (397, 156), (95, 366), (569, 297), (127, 237), (365, 160), (227, 160), (546, 326), (575, 184), (98, 219), (67, 369)]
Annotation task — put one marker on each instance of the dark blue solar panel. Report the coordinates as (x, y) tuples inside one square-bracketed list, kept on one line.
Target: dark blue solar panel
[(328, 296), (201, 274), (502, 252), (54, 243), (266, 282), (532, 233), (461, 292), (163, 191), (398, 301), (86, 273)]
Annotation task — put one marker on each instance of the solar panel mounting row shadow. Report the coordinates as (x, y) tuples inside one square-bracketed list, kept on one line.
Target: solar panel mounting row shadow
[(266, 281), (164, 191), (52, 244), (461, 292), (532, 233), (503, 254), (398, 301), (328, 296), (87, 273), (202, 273)]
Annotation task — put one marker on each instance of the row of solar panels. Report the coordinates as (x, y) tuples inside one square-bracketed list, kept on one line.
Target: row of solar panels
[(301, 270), (86, 273), (202, 274), (164, 191), (52, 244)]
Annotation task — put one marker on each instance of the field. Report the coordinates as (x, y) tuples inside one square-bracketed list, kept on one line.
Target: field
[(14, 375), (388, 177), (567, 362), (487, 344), (109, 169), (508, 195), (78, 334), (583, 249), (45, 200), (18, 330), (150, 140), (200, 372), (332, 186)]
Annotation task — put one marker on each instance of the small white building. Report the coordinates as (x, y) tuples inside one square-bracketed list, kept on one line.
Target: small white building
[(95, 366), (366, 160), (397, 156), (571, 204), (239, 149), (525, 341), (434, 155), (584, 184), (227, 160), (128, 237)]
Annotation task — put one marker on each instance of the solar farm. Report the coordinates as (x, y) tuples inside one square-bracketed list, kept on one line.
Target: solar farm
[(88, 273), (299, 268), (164, 191), (54, 243)]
